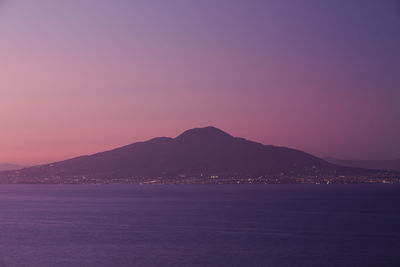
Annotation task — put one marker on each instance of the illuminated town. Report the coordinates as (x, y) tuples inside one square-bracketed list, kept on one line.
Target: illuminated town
[(19, 178)]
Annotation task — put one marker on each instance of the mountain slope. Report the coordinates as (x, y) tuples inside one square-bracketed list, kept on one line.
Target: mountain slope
[(197, 151), (10, 167), (391, 165)]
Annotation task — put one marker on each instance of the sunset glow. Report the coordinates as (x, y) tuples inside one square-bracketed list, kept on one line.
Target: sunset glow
[(78, 77)]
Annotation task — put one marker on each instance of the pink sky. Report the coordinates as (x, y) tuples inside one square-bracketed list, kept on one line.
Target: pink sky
[(78, 79)]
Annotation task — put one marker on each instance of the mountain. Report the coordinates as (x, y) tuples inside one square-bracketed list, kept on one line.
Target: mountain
[(10, 167), (390, 165), (196, 152)]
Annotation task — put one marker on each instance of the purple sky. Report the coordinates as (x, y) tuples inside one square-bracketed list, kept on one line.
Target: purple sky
[(78, 77)]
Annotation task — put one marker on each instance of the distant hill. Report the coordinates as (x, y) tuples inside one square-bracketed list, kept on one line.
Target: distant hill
[(199, 151), (391, 165), (10, 167)]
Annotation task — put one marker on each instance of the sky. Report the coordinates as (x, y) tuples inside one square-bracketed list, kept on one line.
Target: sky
[(79, 77)]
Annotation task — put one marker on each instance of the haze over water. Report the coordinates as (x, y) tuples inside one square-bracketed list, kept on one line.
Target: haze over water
[(199, 225)]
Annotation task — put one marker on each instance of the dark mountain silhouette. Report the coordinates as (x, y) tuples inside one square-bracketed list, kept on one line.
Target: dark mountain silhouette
[(197, 151), (10, 167), (390, 165)]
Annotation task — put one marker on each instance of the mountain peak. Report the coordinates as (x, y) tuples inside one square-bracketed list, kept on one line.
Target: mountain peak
[(209, 132), (195, 152)]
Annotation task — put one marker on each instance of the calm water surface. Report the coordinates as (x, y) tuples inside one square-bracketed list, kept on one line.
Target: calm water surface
[(200, 225)]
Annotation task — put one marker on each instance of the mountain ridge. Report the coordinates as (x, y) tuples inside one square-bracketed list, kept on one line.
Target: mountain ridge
[(10, 167), (196, 152), (390, 165)]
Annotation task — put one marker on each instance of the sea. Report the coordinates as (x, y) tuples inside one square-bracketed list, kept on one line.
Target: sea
[(199, 225)]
